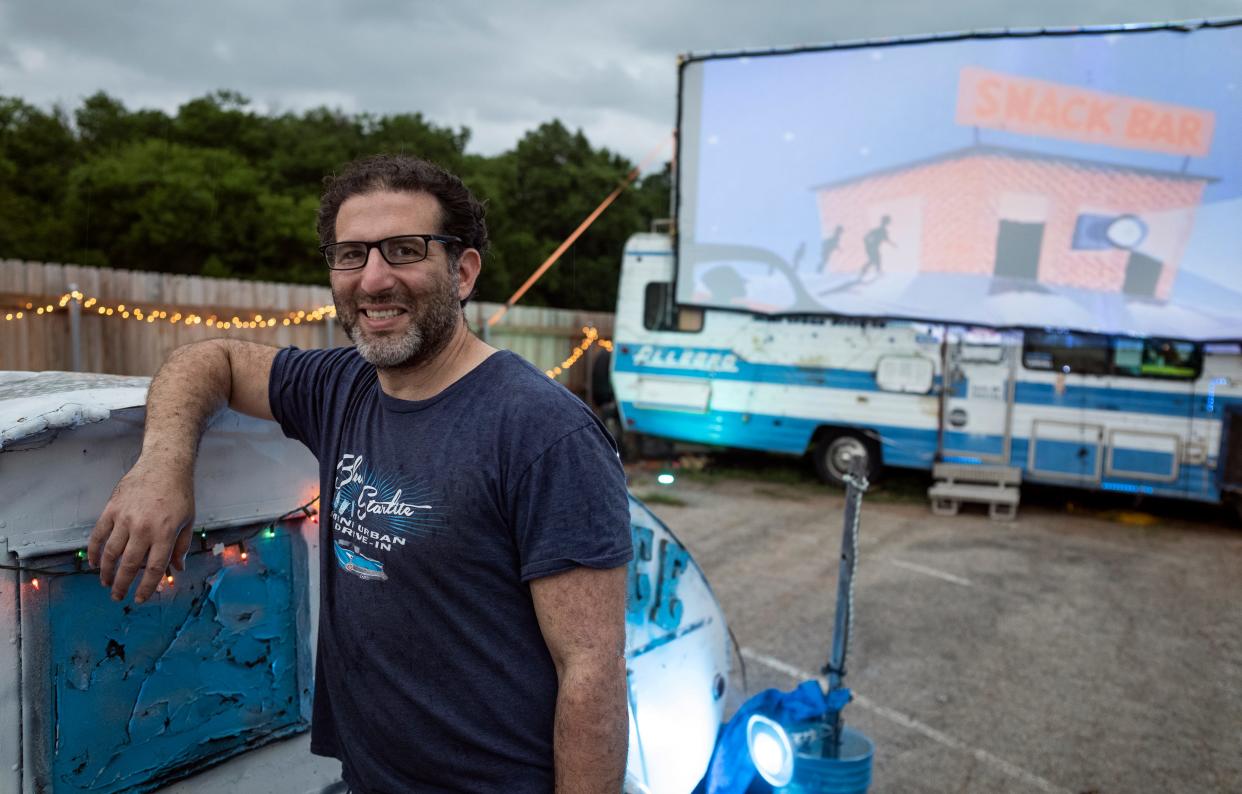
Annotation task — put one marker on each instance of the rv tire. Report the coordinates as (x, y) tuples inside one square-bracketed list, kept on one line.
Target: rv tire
[(833, 454)]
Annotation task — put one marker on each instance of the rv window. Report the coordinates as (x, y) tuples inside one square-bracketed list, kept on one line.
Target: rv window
[(1156, 358), (660, 313), (1083, 354)]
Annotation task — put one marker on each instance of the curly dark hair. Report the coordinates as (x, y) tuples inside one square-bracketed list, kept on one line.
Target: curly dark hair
[(462, 215)]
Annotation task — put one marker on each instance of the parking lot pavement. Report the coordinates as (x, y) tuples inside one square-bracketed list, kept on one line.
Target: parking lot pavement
[(1062, 652)]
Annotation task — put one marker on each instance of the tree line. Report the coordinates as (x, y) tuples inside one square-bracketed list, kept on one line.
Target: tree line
[(222, 190)]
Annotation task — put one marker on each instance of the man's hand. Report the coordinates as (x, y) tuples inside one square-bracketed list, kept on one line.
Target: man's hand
[(151, 513), (147, 521)]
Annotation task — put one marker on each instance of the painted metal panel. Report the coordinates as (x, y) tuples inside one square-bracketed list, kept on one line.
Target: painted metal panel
[(126, 697), (673, 394), (1144, 456), (1062, 450)]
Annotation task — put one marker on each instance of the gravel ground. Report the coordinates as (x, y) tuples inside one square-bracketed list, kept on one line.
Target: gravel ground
[(1085, 647)]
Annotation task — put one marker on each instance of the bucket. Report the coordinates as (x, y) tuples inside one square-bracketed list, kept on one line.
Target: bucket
[(849, 774)]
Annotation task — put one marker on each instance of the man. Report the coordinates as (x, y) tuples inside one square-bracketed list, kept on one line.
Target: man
[(872, 241), (480, 647), (829, 246)]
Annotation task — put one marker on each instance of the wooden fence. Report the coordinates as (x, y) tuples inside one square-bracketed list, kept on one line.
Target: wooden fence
[(113, 343)]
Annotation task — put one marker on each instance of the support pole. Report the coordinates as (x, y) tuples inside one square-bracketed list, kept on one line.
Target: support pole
[(75, 331), (855, 486)]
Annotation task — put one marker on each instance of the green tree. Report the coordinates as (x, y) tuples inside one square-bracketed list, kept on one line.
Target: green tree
[(154, 205), (103, 124), (36, 150)]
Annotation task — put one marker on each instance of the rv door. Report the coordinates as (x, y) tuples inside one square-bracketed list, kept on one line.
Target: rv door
[(979, 370)]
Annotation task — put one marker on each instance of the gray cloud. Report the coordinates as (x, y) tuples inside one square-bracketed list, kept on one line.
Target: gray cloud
[(500, 68)]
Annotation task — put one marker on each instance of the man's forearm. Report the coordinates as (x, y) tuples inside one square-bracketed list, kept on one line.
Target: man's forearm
[(192, 385), (592, 728)]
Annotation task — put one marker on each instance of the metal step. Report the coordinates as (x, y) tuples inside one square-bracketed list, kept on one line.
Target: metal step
[(977, 473), (995, 486)]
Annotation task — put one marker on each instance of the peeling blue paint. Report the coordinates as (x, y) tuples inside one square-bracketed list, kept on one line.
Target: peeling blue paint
[(142, 694)]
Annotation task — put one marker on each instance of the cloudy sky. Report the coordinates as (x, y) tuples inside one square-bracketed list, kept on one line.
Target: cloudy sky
[(499, 68)]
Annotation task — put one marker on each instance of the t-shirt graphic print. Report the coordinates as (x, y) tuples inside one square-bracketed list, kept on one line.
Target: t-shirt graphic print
[(374, 516)]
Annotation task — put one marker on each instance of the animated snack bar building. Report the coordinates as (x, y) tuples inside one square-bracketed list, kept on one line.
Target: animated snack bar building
[(1019, 216)]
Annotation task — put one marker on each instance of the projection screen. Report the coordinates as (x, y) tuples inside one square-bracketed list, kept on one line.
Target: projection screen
[(1087, 179)]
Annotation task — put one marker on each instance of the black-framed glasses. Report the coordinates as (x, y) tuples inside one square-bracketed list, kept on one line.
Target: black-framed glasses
[(404, 249)]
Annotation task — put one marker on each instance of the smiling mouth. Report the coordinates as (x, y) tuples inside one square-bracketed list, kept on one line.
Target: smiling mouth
[(381, 314)]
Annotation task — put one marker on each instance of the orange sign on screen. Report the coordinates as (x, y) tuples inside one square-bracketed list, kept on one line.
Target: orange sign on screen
[(1039, 107)]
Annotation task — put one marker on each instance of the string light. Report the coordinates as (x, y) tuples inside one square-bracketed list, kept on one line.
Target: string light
[(590, 336), (239, 548), (154, 315)]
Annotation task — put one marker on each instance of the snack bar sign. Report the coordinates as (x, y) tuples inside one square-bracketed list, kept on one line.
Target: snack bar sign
[(1038, 107)]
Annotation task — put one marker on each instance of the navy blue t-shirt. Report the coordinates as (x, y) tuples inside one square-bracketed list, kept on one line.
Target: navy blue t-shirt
[(432, 673)]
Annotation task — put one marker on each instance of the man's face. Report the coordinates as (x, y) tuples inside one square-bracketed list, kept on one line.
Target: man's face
[(397, 316)]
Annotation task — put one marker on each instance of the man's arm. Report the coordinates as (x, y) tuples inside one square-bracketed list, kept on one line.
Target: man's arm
[(582, 616), (149, 517)]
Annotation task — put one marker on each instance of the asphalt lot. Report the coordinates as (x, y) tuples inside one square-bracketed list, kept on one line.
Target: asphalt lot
[(1089, 647)]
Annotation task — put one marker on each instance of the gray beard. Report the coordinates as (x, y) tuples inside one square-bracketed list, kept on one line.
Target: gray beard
[(431, 327)]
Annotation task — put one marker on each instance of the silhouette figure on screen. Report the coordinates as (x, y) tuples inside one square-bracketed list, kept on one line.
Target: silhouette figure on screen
[(724, 284), (872, 241), (830, 246)]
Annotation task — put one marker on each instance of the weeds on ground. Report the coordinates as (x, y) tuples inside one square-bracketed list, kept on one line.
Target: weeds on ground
[(899, 488), (788, 478)]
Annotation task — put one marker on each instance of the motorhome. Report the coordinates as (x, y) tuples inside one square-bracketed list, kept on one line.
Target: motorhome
[(1142, 415)]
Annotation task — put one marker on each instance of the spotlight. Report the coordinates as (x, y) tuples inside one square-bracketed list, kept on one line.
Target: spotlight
[(770, 750), (665, 478)]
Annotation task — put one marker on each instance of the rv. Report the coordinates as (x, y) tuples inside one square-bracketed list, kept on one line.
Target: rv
[(1095, 411)]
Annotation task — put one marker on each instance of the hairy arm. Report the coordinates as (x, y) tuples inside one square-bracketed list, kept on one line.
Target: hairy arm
[(149, 517), (582, 616)]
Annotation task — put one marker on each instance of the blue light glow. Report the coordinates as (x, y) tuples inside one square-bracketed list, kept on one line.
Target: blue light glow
[(770, 749), (1126, 487), (1211, 398), (959, 459)]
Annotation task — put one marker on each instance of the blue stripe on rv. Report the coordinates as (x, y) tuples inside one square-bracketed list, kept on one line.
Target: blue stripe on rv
[(1160, 403), (901, 446), (666, 359), (905, 447)]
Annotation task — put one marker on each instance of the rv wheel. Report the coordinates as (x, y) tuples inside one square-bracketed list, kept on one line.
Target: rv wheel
[(833, 455)]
